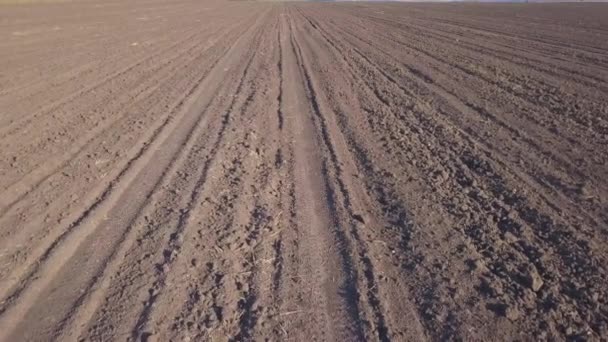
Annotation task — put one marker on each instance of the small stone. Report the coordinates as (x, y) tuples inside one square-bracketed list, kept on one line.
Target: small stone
[(480, 265), (497, 288), (534, 279), (537, 283), (440, 177), (149, 337), (585, 189), (359, 218), (490, 221), (512, 313), (510, 238)]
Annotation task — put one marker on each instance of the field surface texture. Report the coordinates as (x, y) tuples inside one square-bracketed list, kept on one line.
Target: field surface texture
[(238, 171)]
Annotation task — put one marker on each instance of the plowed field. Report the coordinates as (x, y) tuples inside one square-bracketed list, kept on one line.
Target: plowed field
[(191, 171)]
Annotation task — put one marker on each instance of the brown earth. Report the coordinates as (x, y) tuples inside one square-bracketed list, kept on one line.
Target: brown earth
[(187, 171)]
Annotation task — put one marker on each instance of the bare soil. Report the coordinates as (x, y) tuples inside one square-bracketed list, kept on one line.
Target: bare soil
[(236, 171)]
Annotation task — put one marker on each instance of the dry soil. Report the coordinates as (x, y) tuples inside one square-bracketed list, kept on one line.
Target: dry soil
[(191, 170)]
